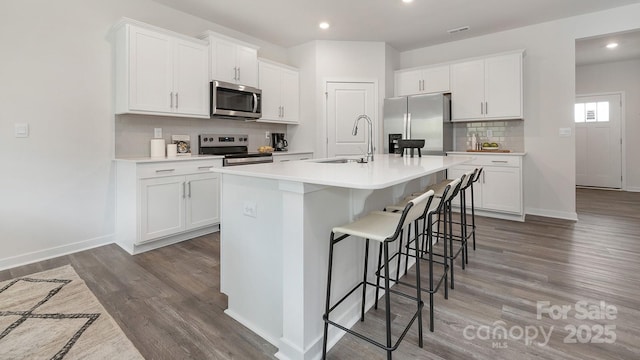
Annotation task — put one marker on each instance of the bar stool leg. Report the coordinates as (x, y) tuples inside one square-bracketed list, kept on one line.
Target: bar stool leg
[(364, 278), (431, 297), (378, 276), (449, 222), (399, 250), (418, 287), (387, 298), (328, 299), (463, 228), (473, 219)]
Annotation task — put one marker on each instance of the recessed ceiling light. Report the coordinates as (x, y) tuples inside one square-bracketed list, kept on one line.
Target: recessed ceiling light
[(407, 1), (612, 45), (324, 25)]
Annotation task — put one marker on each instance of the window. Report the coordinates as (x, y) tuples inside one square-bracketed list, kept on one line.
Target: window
[(592, 112)]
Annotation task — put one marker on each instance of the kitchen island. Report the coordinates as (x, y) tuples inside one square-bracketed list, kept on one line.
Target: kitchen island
[(275, 225)]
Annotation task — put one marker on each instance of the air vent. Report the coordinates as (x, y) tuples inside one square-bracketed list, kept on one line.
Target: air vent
[(457, 30)]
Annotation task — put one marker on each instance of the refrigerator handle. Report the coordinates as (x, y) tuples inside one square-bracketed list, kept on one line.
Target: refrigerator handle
[(404, 125), (409, 126)]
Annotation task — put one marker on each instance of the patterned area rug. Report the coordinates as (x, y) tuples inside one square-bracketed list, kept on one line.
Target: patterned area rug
[(54, 315)]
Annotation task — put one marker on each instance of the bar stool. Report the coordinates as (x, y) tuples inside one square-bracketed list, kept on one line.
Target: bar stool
[(419, 251), (447, 221), (473, 207), (385, 228)]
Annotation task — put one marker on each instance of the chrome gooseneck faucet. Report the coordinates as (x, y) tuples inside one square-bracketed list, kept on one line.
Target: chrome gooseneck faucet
[(370, 143)]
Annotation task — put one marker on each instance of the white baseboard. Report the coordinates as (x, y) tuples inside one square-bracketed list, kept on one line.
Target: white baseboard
[(24, 259), (565, 215), (633, 189)]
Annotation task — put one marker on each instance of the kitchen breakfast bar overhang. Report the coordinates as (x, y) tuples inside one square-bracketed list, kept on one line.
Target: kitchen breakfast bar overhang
[(275, 225)]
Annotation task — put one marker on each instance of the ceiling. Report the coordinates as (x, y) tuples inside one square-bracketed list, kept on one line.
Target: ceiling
[(403, 26), (594, 51)]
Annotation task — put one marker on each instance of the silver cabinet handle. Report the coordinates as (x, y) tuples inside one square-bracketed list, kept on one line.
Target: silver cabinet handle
[(189, 183), (165, 171), (486, 108), (238, 74), (304, 158), (171, 98), (235, 73), (282, 111), (205, 167), (183, 190), (481, 108), (279, 111), (176, 100), (499, 161), (285, 160)]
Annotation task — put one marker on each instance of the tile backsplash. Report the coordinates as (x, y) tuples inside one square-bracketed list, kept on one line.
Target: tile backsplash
[(509, 134), (133, 132)]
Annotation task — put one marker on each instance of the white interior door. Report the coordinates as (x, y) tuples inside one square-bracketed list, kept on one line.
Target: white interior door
[(599, 141), (345, 102)]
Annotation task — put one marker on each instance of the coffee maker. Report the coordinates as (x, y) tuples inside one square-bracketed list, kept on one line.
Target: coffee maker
[(278, 142)]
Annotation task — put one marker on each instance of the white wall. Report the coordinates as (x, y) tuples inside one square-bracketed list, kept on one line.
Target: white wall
[(56, 75), (333, 61), (549, 92), (613, 77)]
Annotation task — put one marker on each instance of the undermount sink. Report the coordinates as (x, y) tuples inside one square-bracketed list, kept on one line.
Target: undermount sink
[(341, 161)]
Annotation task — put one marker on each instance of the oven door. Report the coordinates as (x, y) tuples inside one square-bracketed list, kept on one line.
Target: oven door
[(235, 101)]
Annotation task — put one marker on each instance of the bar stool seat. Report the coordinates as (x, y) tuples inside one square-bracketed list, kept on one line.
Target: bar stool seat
[(383, 228)]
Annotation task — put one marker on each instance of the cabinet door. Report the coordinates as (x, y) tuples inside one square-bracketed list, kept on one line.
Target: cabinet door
[(467, 90), (270, 85), (408, 82), (190, 78), (161, 207), (247, 63), (290, 96), (223, 62), (503, 86), (436, 80), (203, 200), (150, 71), (501, 189)]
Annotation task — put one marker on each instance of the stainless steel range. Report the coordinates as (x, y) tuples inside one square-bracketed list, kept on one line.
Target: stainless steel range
[(234, 148)]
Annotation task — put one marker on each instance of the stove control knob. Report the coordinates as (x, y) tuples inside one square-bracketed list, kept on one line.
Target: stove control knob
[(205, 139), (211, 139)]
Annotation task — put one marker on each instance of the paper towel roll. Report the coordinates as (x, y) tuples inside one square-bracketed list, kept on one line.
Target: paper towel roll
[(157, 148), (172, 150)]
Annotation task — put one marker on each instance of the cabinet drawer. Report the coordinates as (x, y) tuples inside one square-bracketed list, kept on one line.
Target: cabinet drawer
[(484, 160), (170, 168)]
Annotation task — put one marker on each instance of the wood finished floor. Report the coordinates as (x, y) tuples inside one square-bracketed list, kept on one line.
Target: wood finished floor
[(168, 302)]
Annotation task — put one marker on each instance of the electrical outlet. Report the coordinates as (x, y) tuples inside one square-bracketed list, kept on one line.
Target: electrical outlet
[(21, 130), (489, 133), (267, 134), (249, 208), (157, 133)]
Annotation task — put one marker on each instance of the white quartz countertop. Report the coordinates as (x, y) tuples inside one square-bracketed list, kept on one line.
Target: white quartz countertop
[(385, 171), (147, 159), (481, 153)]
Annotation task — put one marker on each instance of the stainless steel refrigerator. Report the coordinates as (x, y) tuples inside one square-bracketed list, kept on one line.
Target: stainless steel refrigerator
[(425, 117)]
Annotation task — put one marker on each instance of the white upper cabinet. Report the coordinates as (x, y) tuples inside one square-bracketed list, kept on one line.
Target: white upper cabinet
[(487, 89), (422, 81), (280, 93), (232, 60), (159, 72)]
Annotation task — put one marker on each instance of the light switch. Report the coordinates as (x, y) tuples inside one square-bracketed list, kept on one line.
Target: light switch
[(157, 133), (565, 132), (22, 130)]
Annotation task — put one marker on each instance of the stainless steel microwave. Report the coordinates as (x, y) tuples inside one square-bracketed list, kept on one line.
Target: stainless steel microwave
[(233, 101)]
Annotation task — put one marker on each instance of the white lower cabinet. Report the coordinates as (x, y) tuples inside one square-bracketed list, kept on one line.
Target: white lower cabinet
[(499, 191), (165, 202)]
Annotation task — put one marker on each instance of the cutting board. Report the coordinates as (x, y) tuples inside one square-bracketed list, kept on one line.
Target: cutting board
[(495, 151)]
